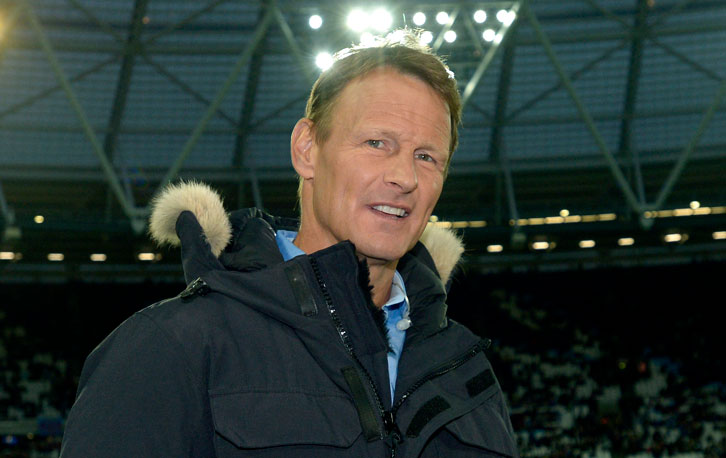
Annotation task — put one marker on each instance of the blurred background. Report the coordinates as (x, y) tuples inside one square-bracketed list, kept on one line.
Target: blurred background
[(589, 187)]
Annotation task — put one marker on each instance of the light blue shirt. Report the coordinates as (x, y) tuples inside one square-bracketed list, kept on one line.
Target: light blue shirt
[(395, 310)]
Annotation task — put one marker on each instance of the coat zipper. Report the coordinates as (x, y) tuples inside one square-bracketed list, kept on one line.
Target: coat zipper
[(388, 417)]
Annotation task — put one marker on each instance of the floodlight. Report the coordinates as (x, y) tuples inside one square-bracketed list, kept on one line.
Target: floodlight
[(450, 36), (324, 60), (366, 39), (426, 37), (506, 17), (315, 21), (489, 35), (358, 20), (39, 219), (480, 16), (381, 20), (419, 18), (442, 17)]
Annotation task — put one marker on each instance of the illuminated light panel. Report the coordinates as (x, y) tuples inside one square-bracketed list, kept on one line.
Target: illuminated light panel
[(589, 218), (477, 223), (381, 20), (540, 245), (702, 211), (718, 210), (324, 61), (426, 37), (450, 36), (39, 219), (573, 219), (536, 221), (445, 224), (358, 20), (442, 17), (564, 212), (719, 235), (480, 16), (7, 255), (607, 216), (98, 257), (489, 35), (419, 18), (495, 248), (673, 238), (683, 212), (626, 241), (315, 21), (146, 256), (554, 220), (695, 204), (587, 244), (55, 257)]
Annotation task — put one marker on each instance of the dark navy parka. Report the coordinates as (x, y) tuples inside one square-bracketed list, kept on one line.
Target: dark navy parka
[(264, 358)]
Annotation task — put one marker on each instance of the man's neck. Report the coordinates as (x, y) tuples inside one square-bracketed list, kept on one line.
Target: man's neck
[(381, 278)]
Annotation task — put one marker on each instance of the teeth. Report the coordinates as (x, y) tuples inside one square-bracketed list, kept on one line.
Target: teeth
[(390, 210)]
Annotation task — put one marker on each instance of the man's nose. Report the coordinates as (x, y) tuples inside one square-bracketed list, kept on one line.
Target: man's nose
[(401, 172)]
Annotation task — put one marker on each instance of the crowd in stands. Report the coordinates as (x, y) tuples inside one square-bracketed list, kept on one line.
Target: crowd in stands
[(578, 385)]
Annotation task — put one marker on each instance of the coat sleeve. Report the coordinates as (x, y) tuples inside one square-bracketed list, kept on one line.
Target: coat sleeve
[(137, 397)]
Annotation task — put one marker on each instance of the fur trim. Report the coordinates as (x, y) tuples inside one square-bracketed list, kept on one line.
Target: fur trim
[(197, 198), (445, 248)]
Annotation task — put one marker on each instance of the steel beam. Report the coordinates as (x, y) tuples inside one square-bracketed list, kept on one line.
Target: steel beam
[(234, 74), (635, 63), (670, 182), (5, 211), (440, 37), (131, 212), (122, 87), (292, 43), (500, 110), (584, 114), (487, 59), (574, 76)]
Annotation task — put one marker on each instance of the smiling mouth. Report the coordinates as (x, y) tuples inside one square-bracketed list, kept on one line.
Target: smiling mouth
[(393, 211)]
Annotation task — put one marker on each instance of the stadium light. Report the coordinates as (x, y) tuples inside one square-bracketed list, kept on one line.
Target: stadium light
[(7, 255), (506, 17), (564, 213), (426, 37), (381, 20), (450, 36), (695, 204), (315, 21), (540, 245), (358, 20), (324, 61), (719, 235), (626, 241), (98, 257), (442, 17), (673, 238), (488, 35), (55, 257), (366, 39), (419, 18), (495, 248), (587, 244), (480, 16), (39, 219)]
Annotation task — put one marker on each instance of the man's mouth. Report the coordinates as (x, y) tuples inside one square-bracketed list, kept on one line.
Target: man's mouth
[(400, 212)]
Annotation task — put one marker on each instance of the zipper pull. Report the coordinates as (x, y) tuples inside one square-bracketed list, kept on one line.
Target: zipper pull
[(393, 434), (197, 287)]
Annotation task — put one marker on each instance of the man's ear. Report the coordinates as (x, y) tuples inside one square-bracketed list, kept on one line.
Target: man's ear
[(302, 145)]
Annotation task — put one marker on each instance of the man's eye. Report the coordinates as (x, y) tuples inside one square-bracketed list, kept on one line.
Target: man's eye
[(375, 143), (425, 157)]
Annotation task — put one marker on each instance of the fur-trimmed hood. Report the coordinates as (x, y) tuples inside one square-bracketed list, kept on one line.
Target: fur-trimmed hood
[(444, 246)]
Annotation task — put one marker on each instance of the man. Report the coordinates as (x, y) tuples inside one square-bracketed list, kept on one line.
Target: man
[(323, 338)]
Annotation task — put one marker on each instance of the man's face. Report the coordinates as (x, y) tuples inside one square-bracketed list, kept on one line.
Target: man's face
[(380, 173)]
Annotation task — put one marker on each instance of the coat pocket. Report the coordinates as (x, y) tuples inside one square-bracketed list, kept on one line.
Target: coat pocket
[(253, 420), (485, 429)]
